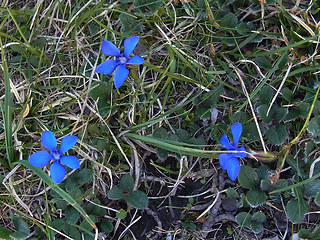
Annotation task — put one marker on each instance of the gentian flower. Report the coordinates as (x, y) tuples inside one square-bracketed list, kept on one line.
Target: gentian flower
[(42, 158), (230, 161), (119, 64)]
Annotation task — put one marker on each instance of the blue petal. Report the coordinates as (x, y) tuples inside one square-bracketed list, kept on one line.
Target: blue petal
[(136, 60), (107, 67), (57, 172), (109, 49), (225, 142), (129, 44), (48, 140), (233, 168), (120, 75), (241, 154), (67, 143), (236, 130), (223, 159), (40, 159), (70, 161)]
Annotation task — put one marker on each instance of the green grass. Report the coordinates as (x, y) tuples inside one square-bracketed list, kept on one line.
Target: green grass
[(208, 64)]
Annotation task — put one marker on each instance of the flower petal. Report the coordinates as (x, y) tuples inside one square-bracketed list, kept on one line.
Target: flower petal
[(107, 67), (67, 143), (109, 49), (225, 143), (236, 130), (120, 75), (136, 60), (40, 159), (70, 161), (57, 172), (129, 44), (241, 154), (223, 159), (233, 168), (48, 140)]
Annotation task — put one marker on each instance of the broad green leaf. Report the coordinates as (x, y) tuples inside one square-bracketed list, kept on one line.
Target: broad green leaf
[(259, 217), (106, 226), (256, 227), (256, 197), (141, 5), (130, 25), (244, 219), (311, 189), (20, 225), (296, 209), (314, 126), (250, 131), (95, 209), (5, 233), (304, 234), (72, 215), (18, 235), (126, 183), (287, 94), (162, 154), (277, 134), (161, 133), (263, 62), (73, 232), (230, 21), (265, 94), (262, 110), (137, 199), (317, 199), (122, 214), (232, 194), (84, 175), (240, 117), (247, 177), (116, 193)]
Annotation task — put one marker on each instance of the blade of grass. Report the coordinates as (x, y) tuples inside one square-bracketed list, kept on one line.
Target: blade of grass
[(7, 112)]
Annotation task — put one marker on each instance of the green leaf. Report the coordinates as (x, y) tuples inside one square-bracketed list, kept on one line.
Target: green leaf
[(127, 183), (243, 219), (248, 178), (116, 193), (317, 199), (311, 189), (250, 131), (256, 227), (232, 194), (240, 117), (263, 62), (20, 225), (162, 154), (72, 215), (142, 5), (314, 126), (161, 133), (262, 110), (106, 226), (287, 94), (18, 235), (95, 209), (122, 214), (278, 113), (277, 134), (5, 233), (73, 232), (304, 234), (259, 217), (230, 21), (84, 176), (130, 25), (265, 94), (137, 199), (296, 209), (256, 197)]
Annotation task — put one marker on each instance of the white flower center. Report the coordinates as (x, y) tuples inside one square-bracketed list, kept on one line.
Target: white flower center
[(56, 155), (123, 60)]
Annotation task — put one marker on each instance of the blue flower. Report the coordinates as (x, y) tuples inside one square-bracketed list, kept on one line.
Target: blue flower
[(230, 161), (42, 158), (119, 64)]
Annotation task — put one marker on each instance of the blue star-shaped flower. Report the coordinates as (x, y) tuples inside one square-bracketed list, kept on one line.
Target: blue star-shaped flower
[(42, 158), (230, 161), (119, 64)]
